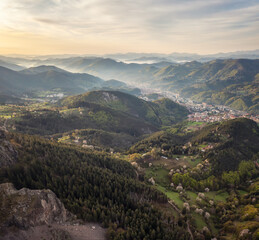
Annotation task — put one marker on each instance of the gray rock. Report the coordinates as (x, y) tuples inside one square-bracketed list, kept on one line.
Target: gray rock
[(8, 154), (26, 208)]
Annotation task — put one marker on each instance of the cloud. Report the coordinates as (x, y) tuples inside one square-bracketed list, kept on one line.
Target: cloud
[(163, 22), (49, 21)]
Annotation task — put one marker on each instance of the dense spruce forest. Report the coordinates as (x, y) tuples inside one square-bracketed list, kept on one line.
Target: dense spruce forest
[(93, 186)]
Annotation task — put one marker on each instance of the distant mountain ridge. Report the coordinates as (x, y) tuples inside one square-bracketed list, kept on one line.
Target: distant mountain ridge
[(49, 78), (231, 82), (10, 66), (226, 82), (203, 82), (46, 78), (185, 57), (42, 68)]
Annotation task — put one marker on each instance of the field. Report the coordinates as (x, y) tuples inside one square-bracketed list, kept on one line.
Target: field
[(177, 161), (241, 192), (174, 196), (192, 196), (199, 221), (217, 196), (13, 111), (193, 126), (162, 180), (193, 161), (160, 175)]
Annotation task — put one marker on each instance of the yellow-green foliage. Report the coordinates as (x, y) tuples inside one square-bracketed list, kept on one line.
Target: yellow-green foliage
[(231, 178), (102, 117), (257, 77), (229, 226), (63, 138), (246, 169), (239, 104), (256, 235), (135, 157), (251, 225), (249, 212), (254, 187)]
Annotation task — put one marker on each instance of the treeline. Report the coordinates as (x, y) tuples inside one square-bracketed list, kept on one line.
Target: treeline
[(84, 116), (166, 140), (196, 180), (93, 186), (235, 140), (232, 141)]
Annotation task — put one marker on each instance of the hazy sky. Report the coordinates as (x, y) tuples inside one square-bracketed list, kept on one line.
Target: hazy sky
[(109, 26)]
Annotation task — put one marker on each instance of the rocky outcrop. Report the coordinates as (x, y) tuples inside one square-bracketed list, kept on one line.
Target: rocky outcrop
[(26, 208), (8, 154), (38, 214)]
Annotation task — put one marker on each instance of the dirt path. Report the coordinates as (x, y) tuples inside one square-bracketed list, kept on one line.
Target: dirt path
[(4, 126), (137, 174), (179, 212), (174, 206), (189, 230), (88, 231), (84, 232)]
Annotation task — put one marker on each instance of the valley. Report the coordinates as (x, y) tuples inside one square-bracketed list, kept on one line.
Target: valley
[(133, 161), (193, 169), (201, 112)]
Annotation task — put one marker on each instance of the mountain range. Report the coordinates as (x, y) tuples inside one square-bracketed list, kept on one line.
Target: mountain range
[(44, 78), (30, 81), (230, 82), (184, 57)]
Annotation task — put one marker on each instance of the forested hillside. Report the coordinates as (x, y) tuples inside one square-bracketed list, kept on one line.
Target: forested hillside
[(94, 186), (81, 116), (234, 141), (229, 82), (45, 79), (159, 113), (209, 173), (229, 143)]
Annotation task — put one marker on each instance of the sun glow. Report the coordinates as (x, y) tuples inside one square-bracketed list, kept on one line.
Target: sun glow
[(76, 26)]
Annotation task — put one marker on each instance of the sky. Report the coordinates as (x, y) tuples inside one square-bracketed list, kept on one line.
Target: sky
[(43, 27)]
